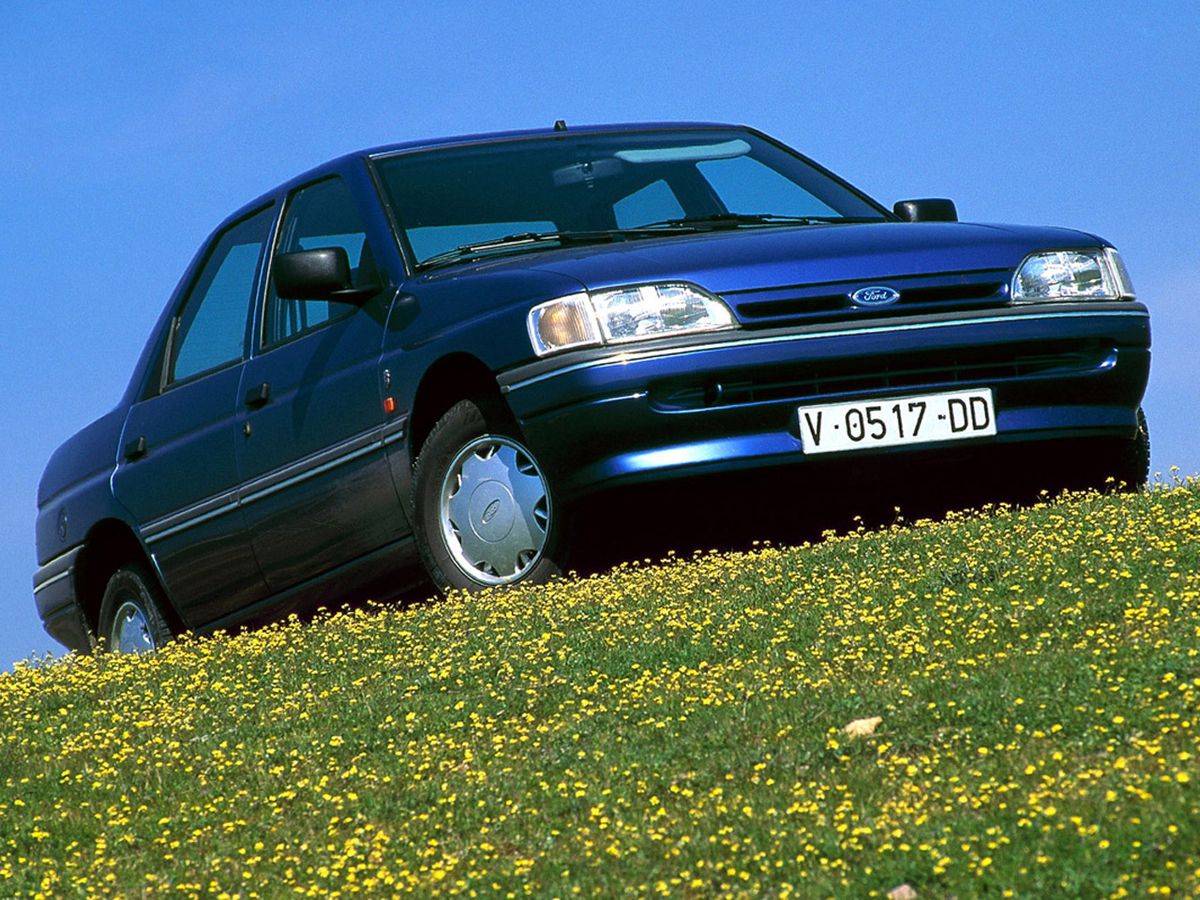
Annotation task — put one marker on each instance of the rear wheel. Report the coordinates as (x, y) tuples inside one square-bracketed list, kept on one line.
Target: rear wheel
[(484, 514), (131, 618)]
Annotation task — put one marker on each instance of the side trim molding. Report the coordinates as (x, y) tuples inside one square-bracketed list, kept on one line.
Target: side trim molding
[(275, 481)]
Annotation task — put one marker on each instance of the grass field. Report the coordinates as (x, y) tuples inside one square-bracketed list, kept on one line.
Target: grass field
[(674, 728)]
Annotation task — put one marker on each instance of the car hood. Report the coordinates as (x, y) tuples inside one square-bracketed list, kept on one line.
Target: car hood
[(751, 259), (754, 269)]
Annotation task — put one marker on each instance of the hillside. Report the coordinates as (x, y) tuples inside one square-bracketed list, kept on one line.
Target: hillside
[(674, 728)]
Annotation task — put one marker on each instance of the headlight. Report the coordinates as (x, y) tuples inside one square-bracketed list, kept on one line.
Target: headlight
[(1072, 275), (626, 314)]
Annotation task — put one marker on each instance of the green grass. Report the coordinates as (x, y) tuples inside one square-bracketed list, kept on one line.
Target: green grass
[(675, 728)]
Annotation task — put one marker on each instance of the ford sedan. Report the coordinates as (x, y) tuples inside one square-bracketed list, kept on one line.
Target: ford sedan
[(430, 353)]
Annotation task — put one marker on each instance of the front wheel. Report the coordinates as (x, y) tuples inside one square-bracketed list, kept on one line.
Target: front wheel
[(1130, 465), (1109, 465), (131, 619), (484, 513)]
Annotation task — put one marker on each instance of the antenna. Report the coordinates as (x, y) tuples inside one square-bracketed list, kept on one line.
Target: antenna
[(560, 125)]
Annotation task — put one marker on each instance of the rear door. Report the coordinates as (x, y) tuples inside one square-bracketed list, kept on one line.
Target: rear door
[(317, 492), (178, 471)]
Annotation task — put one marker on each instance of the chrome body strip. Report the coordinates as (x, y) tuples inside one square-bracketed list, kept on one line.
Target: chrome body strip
[(191, 517), (206, 509), (272, 482), (55, 560), (49, 581)]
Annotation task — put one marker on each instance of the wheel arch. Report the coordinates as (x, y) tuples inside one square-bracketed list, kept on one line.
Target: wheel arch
[(454, 377), (109, 545)]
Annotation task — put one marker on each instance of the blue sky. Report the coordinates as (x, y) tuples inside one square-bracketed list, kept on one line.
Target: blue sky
[(129, 130)]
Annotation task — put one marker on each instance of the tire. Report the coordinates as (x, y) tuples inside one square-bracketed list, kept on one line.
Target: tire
[(131, 618), (1129, 463), (483, 512)]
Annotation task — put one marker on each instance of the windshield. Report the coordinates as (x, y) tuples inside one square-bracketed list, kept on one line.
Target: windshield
[(449, 201)]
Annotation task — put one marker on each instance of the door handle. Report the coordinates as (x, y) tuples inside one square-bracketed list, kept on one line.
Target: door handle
[(136, 448), (259, 396)]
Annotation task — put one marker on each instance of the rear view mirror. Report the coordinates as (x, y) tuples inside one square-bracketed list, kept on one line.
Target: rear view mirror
[(930, 209), (587, 172), (322, 274)]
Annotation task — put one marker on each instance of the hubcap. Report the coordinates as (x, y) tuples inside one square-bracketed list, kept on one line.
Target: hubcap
[(131, 630), (495, 510)]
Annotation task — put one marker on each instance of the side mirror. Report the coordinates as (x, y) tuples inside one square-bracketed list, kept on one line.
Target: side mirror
[(322, 274), (930, 209)]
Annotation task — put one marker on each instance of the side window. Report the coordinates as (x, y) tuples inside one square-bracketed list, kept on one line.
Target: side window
[(210, 330), (320, 215), (655, 202)]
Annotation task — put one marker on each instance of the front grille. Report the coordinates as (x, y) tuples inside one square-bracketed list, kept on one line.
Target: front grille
[(849, 377), (827, 302)]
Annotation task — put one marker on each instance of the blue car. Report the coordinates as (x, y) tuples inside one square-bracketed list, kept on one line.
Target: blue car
[(430, 354)]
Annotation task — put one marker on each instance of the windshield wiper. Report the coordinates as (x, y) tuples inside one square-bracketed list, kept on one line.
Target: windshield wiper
[(467, 252), (735, 220), (532, 239)]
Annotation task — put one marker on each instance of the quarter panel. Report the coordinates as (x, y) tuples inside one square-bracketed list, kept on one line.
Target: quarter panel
[(74, 490)]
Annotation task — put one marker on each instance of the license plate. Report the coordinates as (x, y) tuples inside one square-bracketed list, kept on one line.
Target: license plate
[(924, 419)]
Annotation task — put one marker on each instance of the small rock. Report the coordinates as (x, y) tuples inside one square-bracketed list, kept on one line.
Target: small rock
[(863, 728), (902, 892)]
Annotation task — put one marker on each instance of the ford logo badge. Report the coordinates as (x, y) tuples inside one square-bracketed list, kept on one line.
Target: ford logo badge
[(876, 295), (490, 512)]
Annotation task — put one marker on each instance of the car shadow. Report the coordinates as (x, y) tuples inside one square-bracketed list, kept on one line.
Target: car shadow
[(794, 505), (798, 505)]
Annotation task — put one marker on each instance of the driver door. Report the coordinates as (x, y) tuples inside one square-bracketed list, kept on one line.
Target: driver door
[(317, 492)]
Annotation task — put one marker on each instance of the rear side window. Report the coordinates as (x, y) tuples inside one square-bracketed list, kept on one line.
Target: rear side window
[(210, 330), (318, 216)]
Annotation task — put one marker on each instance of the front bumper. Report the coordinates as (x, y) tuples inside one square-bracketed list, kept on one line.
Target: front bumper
[(725, 401), (54, 593)]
